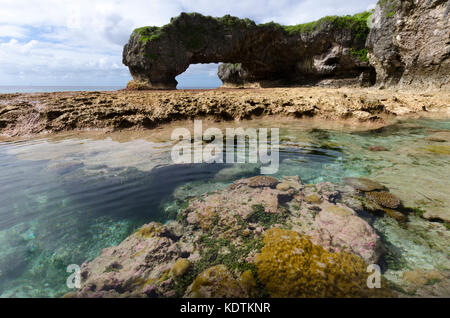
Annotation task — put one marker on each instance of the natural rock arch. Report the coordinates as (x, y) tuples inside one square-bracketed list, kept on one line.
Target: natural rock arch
[(265, 54)]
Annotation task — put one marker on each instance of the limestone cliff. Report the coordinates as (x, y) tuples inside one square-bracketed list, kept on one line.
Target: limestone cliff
[(264, 55), (409, 43)]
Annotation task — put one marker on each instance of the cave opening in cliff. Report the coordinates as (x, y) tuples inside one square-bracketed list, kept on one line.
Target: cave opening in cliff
[(199, 76)]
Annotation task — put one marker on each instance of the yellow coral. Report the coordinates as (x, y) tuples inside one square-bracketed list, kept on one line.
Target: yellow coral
[(248, 281), (180, 267), (207, 218), (149, 230), (313, 199), (216, 282), (291, 266)]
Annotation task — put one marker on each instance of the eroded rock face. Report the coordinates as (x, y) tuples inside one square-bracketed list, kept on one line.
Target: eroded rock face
[(269, 54), (409, 43)]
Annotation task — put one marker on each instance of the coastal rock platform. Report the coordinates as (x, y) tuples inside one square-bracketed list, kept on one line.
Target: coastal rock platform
[(37, 113)]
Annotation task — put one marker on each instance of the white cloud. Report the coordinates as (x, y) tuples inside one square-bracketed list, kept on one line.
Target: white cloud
[(14, 31), (54, 41), (36, 62)]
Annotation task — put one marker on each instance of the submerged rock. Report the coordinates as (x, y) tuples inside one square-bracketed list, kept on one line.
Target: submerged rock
[(337, 228), (440, 136), (427, 283), (256, 236), (378, 148), (140, 266), (395, 214), (363, 184)]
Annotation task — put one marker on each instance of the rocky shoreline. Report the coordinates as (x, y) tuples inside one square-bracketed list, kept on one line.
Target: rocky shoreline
[(38, 113), (264, 237)]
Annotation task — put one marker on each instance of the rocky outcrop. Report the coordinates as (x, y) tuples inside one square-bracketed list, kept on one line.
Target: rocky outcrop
[(262, 55), (243, 241), (28, 114), (263, 236), (409, 43)]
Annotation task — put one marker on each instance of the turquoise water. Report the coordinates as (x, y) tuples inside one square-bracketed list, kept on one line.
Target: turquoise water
[(63, 199)]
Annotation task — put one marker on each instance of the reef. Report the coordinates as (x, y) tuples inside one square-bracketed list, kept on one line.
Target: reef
[(255, 238), (254, 55), (408, 44)]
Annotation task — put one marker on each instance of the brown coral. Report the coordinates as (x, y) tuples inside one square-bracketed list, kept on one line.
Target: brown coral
[(262, 181), (385, 199)]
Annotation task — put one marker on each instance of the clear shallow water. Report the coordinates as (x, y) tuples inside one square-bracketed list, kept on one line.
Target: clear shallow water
[(63, 199)]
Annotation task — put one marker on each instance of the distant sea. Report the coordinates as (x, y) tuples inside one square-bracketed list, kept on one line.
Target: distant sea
[(41, 89)]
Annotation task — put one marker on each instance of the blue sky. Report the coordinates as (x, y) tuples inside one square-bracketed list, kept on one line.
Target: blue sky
[(62, 42)]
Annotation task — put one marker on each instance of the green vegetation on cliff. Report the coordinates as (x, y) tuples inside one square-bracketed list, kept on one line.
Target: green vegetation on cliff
[(389, 6), (357, 23), (192, 37), (360, 54)]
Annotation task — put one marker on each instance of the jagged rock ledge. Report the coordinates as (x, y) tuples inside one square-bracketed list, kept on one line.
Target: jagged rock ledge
[(29, 114)]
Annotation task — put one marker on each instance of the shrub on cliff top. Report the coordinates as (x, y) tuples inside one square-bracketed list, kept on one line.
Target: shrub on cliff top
[(357, 23), (192, 34), (389, 6)]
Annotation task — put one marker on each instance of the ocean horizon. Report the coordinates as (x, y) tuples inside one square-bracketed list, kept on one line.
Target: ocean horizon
[(8, 89), (49, 88)]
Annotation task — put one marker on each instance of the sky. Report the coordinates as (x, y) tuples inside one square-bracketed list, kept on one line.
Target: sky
[(79, 43)]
